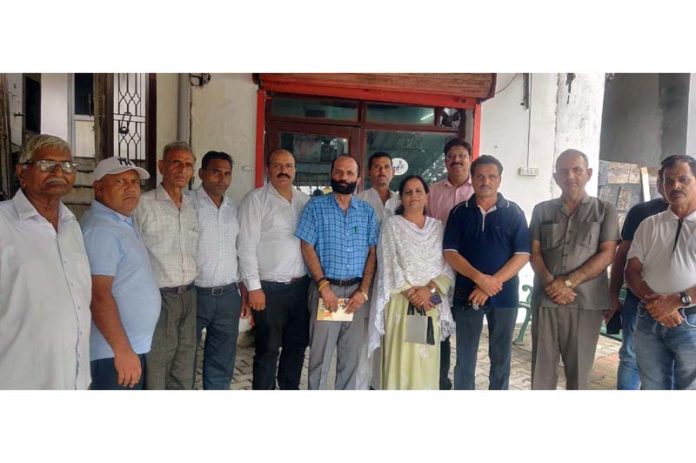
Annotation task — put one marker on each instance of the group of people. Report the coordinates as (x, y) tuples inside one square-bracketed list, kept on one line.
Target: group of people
[(381, 278)]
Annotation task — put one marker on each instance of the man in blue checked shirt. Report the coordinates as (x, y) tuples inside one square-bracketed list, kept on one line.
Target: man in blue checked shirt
[(339, 238)]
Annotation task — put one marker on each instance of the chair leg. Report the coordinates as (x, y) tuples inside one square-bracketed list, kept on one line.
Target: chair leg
[(520, 336)]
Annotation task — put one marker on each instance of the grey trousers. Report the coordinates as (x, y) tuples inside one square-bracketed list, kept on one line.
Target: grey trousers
[(325, 337), (170, 360), (570, 334)]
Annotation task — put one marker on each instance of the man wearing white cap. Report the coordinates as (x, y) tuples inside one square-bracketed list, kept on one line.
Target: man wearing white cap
[(125, 296)]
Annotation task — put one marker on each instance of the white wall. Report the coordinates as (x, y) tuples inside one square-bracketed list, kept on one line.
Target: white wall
[(223, 116), (167, 112), (54, 105), (691, 118), (14, 91), (521, 137)]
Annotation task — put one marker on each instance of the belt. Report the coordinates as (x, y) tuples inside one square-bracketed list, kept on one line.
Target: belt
[(217, 290), (292, 281), (178, 289), (350, 282), (689, 310)]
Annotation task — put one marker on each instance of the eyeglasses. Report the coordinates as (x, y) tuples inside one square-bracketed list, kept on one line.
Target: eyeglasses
[(47, 165)]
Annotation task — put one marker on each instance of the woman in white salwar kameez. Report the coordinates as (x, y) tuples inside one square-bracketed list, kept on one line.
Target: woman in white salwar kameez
[(410, 271)]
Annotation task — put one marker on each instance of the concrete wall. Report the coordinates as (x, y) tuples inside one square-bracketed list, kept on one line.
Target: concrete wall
[(54, 105), (558, 118), (14, 93), (691, 117), (167, 112), (223, 118), (645, 117)]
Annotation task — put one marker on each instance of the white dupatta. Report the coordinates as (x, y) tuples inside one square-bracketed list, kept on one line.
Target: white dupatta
[(408, 256)]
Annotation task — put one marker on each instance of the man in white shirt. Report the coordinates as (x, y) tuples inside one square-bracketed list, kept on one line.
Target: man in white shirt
[(660, 272), (383, 200), (274, 274), (168, 225), (45, 284), (219, 300)]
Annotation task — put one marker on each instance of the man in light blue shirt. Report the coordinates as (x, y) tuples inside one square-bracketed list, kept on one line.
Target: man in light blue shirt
[(125, 296), (339, 235)]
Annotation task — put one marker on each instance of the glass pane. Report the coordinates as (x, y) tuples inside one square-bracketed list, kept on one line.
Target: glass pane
[(413, 153), (83, 94), (315, 109), (449, 117), (314, 155), (397, 114)]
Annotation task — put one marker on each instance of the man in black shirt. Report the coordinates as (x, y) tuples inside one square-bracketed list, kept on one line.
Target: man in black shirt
[(627, 376)]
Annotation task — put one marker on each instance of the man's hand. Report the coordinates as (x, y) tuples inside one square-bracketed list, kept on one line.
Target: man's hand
[(355, 302), (478, 297), (246, 310), (489, 284), (128, 368), (559, 292), (613, 309), (672, 320), (661, 306), (257, 299), (329, 298)]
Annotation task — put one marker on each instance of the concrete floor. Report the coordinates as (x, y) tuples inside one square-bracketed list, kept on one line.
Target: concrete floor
[(603, 374)]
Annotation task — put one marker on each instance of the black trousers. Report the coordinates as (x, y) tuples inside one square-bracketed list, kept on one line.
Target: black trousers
[(282, 328)]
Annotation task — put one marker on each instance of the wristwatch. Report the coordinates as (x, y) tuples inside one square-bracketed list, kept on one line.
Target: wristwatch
[(685, 298), (433, 290), (568, 283)]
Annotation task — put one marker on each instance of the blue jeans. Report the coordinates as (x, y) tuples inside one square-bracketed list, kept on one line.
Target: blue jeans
[(104, 376), (628, 377), (666, 356), (218, 312), (501, 324)]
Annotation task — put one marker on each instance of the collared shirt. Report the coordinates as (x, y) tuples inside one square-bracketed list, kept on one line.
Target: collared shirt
[(45, 291), (217, 241), (487, 240), (567, 242), (444, 196), (382, 210), (170, 236), (668, 258), (268, 247), (340, 239), (115, 249), (640, 212)]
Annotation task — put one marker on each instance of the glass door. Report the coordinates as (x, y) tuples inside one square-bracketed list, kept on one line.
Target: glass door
[(315, 146)]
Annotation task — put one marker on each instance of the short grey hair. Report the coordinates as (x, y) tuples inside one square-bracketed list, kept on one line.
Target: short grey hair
[(177, 146), (42, 141)]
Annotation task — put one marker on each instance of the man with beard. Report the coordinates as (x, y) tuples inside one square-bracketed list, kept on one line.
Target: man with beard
[(660, 272), (44, 276), (274, 274), (339, 238)]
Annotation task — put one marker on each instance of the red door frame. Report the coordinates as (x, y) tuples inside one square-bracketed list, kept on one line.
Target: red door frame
[(392, 97)]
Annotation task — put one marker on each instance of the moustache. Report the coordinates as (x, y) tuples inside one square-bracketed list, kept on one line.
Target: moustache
[(283, 175)]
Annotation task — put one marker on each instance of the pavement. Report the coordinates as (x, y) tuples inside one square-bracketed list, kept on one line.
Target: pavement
[(603, 374)]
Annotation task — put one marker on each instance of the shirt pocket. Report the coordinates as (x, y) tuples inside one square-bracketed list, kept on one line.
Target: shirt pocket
[(551, 236), (588, 234)]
